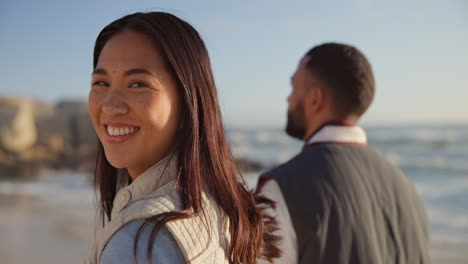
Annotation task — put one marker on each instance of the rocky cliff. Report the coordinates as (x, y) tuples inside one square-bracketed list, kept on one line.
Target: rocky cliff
[(35, 135)]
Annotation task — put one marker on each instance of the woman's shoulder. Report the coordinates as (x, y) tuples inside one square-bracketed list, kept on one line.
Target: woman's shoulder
[(120, 248)]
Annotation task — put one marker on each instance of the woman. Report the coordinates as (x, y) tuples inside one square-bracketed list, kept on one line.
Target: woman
[(167, 183)]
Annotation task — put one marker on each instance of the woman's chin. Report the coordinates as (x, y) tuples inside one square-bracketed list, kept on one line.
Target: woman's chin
[(117, 163)]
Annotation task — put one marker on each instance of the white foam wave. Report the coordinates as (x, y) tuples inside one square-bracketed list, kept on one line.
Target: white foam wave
[(56, 187), (441, 188), (413, 160), (418, 134)]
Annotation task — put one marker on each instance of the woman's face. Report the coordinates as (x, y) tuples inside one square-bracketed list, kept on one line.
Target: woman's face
[(134, 103)]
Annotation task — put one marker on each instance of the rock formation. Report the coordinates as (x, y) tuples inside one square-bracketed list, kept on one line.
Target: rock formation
[(35, 135)]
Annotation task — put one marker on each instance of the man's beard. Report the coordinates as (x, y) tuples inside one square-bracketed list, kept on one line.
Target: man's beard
[(296, 127)]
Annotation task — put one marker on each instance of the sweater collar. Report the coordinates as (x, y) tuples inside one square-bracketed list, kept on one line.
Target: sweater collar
[(338, 133), (153, 178)]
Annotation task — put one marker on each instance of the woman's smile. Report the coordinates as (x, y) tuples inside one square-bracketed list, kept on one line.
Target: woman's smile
[(119, 132)]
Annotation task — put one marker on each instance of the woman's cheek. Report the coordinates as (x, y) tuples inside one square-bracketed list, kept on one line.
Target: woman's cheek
[(94, 99)]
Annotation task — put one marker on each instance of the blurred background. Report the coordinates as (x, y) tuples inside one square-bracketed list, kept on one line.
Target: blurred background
[(419, 118)]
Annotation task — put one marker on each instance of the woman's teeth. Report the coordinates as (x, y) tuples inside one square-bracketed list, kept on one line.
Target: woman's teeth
[(121, 131)]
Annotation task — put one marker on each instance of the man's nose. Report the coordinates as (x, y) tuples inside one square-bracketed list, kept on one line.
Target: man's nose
[(115, 104)]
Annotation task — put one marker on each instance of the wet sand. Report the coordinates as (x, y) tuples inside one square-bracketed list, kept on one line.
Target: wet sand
[(39, 232)]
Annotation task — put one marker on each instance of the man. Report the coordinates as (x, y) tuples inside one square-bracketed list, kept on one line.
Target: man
[(339, 201)]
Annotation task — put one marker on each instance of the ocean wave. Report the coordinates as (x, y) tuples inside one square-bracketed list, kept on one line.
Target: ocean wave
[(379, 135), (267, 156), (441, 238), (436, 137), (435, 190), (448, 225), (56, 187), (436, 163)]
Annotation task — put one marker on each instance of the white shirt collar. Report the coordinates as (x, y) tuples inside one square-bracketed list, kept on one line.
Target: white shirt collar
[(339, 134)]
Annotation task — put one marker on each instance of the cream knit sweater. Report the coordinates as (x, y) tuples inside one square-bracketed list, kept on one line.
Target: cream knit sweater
[(202, 239)]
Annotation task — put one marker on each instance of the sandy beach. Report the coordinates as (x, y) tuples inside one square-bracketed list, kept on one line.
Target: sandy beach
[(44, 226)]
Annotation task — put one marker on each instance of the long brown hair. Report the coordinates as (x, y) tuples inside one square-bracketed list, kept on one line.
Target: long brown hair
[(205, 160)]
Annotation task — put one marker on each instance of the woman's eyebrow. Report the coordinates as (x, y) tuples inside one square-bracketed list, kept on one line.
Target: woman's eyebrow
[(137, 71), (101, 71)]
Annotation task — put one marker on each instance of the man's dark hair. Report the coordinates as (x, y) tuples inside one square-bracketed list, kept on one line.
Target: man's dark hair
[(348, 75)]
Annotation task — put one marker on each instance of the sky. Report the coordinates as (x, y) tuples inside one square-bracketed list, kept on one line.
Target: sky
[(418, 51)]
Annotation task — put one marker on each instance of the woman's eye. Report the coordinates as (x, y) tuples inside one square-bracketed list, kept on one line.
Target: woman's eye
[(138, 85), (101, 83)]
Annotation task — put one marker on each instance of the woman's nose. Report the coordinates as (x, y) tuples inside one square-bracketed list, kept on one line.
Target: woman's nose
[(115, 104)]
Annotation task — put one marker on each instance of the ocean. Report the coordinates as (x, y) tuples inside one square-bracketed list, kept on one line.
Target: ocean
[(54, 212)]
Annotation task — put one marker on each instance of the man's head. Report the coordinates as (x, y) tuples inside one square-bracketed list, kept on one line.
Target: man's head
[(333, 82)]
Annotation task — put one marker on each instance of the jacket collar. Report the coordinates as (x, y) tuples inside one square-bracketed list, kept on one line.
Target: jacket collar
[(338, 133), (153, 178)]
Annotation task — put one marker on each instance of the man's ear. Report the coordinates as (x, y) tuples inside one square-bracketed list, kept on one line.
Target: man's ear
[(317, 99)]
